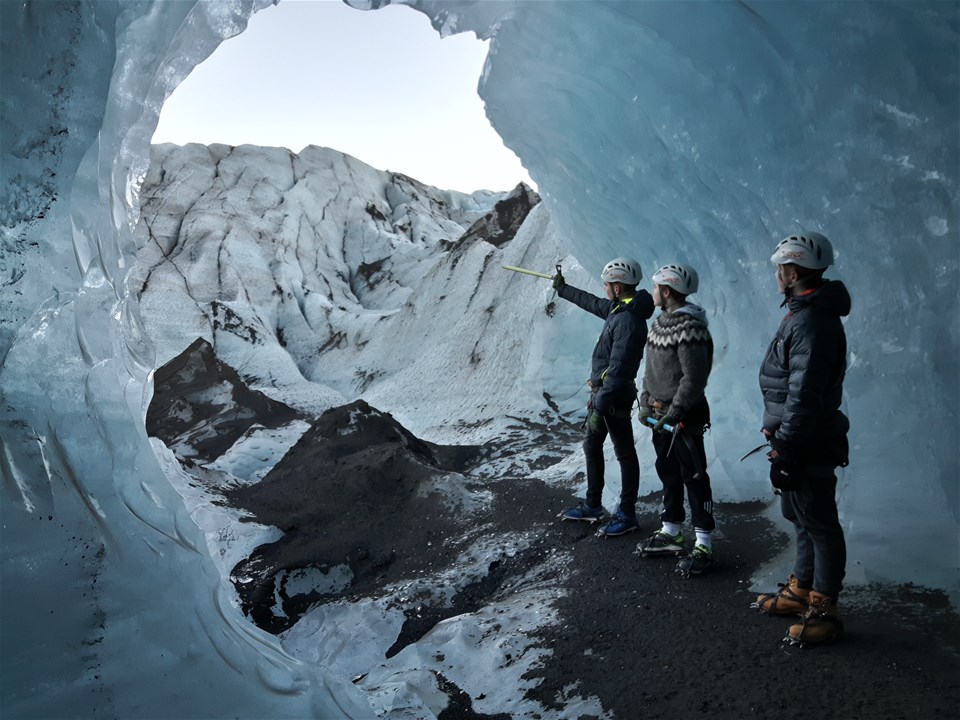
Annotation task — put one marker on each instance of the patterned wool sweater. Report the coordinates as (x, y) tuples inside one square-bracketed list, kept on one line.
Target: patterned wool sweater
[(679, 356)]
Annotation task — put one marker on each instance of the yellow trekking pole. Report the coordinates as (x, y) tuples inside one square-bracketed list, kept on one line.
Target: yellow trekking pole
[(530, 272)]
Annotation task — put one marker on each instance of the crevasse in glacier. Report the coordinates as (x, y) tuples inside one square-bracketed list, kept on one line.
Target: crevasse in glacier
[(700, 132)]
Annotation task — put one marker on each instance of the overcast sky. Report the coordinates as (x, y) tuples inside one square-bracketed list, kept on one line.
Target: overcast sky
[(379, 85)]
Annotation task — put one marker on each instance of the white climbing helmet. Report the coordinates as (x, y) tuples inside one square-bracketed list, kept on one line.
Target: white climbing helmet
[(622, 270), (810, 250), (681, 278)]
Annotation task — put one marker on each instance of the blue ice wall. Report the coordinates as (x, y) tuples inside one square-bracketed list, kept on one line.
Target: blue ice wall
[(704, 133)]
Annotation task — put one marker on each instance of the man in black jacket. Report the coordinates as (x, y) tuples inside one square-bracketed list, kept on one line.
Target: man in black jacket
[(801, 379), (616, 359)]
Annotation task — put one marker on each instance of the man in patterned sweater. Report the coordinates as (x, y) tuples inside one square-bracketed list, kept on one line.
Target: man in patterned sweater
[(679, 357)]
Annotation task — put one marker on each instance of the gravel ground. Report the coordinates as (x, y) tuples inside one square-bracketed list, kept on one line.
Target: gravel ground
[(644, 640)]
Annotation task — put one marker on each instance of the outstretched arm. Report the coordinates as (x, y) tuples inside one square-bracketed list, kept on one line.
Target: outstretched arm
[(586, 301)]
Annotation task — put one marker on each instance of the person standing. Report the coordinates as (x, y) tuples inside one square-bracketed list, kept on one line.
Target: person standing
[(801, 380), (674, 405), (616, 359)]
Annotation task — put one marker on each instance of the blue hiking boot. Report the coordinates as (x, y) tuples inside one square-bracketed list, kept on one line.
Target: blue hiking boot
[(584, 512), (619, 524)]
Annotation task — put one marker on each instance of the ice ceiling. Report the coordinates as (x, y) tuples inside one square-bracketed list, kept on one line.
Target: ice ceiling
[(700, 132)]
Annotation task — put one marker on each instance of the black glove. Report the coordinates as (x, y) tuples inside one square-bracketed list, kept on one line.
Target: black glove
[(558, 281), (785, 475), (786, 452), (601, 403), (595, 422)]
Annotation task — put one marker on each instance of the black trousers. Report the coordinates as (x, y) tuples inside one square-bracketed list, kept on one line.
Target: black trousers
[(620, 430), (821, 549), (684, 466)]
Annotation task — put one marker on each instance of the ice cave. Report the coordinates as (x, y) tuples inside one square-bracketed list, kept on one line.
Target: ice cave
[(695, 132)]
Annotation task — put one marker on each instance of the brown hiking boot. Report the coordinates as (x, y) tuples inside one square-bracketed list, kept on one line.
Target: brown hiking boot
[(820, 624), (790, 599)]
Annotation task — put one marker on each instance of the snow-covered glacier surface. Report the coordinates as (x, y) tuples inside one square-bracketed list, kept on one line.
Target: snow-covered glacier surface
[(669, 131)]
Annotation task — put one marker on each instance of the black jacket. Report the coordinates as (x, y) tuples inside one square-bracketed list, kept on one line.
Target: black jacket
[(619, 349), (801, 378)]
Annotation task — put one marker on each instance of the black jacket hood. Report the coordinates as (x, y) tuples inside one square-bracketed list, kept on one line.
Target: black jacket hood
[(831, 296)]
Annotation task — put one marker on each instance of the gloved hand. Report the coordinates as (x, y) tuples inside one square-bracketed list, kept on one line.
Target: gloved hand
[(595, 422), (645, 412), (784, 475), (558, 281), (784, 451), (665, 420), (601, 403)]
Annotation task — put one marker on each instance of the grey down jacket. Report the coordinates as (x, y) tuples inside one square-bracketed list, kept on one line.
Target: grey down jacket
[(801, 378)]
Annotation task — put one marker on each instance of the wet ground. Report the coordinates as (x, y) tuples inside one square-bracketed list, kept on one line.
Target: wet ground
[(662, 646)]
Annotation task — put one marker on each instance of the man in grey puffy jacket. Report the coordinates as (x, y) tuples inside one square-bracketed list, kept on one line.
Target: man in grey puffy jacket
[(673, 402), (801, 379), (613, 390)]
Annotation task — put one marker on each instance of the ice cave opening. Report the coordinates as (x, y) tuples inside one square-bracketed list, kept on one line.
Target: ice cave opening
[(326, 74)]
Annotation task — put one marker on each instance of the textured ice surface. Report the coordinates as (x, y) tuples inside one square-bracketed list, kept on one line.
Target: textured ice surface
[(699, 132), (485, 653)]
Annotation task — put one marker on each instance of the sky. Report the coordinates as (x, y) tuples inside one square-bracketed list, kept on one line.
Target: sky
[(379, 85)]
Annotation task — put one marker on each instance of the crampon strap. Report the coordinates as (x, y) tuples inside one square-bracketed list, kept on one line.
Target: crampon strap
[(783, 592)]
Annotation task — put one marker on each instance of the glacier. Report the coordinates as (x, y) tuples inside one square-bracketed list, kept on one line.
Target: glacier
[(669, 131)]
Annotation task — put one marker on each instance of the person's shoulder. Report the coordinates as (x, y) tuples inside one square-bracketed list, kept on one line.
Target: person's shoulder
[(830, 299), (695, 316), (644, 303), (693, 328), (639, 306), (692, 317), (813, 324)]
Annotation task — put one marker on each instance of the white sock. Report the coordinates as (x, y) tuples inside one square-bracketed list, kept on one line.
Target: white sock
[(671, 529), (704, 538)]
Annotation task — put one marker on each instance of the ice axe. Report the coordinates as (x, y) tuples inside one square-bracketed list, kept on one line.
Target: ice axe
[(755, 450), (674, 430), (666, 426), (530, 272)]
